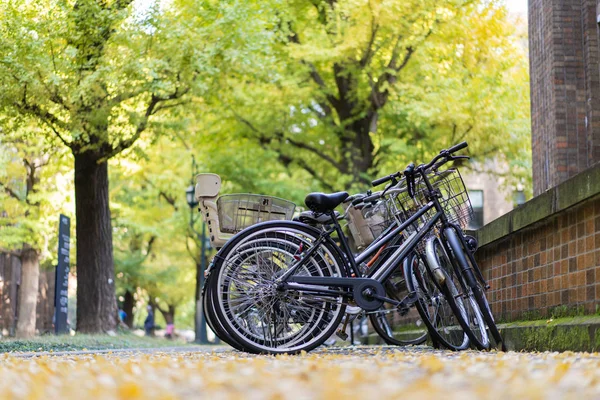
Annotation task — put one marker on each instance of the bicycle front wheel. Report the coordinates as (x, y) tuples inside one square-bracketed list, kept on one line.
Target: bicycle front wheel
[(468, 265), (439, 304), (472, 319)]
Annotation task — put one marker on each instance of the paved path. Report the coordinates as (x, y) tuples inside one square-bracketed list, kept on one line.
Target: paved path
[(328, 373)]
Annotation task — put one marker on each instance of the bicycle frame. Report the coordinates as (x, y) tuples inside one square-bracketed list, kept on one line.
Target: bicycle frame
[(381, 273)]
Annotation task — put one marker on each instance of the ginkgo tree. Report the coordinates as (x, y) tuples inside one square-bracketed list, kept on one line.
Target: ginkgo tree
[(154, 250), (35, 187), (94, 74), (346, 90)]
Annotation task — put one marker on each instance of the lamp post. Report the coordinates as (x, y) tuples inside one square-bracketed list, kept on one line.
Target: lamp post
[(200, 323)]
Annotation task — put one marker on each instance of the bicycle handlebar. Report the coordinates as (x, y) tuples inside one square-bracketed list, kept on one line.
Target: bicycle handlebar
[(372, 198), (457, 147), (358, 199), (445, 154), (385, 179)]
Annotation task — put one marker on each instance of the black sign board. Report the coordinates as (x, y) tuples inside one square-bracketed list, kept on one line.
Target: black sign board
[(61, 288)]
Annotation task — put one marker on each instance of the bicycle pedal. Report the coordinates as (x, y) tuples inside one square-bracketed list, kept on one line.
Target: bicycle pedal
[(403, 310), (341, 334)]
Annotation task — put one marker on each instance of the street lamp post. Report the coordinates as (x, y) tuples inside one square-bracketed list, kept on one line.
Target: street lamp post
[(200, 323)]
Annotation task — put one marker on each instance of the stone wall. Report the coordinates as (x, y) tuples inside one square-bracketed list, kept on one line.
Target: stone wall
[(546, 253)]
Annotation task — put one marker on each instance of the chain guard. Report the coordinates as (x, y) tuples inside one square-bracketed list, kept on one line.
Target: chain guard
[(368, 303)]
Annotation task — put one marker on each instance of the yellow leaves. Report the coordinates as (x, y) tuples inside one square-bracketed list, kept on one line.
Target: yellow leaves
[(354, 374), (431, 364), (130, 390), (560, 371)]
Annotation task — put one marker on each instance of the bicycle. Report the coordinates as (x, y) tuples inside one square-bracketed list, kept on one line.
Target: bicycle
[(436, 313), (283, 286)]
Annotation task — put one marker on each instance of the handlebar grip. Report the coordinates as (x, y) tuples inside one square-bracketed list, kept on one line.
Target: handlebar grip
[(457, 147), (373, 197), (380, 181)]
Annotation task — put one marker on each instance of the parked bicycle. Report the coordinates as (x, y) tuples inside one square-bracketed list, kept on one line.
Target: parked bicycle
[(284, 286)]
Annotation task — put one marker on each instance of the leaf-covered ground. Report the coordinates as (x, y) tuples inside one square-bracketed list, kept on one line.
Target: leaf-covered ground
[(362, 373)]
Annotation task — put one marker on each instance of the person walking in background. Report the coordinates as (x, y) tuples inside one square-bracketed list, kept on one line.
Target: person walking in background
[(122, 317), (170, 331), (149, 322)]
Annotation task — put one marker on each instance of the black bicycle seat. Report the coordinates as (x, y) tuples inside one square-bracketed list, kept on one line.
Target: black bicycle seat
[(312, 218), (322, 203)]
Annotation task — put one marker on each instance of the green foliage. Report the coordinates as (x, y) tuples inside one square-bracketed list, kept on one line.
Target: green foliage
[(90, 71), (35, 187), (340, 92), (153, 248)]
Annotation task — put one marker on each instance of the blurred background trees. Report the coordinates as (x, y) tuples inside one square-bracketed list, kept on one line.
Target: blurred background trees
[(277, 97)]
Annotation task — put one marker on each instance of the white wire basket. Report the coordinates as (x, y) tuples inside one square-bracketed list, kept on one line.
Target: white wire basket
[(239, 211)]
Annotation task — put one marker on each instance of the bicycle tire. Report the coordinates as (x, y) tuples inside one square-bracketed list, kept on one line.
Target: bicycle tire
[(382, 323), (467, 265), (213, 322), (312, 322), (476, 326), (432, 294)]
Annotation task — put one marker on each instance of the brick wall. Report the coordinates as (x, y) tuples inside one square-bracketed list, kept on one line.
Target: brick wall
[(565, 89), (552, 263)]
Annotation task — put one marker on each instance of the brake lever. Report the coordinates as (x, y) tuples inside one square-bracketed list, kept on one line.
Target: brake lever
[(393, 183), (448, 158)]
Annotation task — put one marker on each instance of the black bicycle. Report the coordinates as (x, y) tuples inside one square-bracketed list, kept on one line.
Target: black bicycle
[(283, 286)]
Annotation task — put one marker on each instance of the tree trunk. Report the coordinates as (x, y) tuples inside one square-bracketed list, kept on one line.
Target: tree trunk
[(28, 292), (128, 303), (96, 300), (169, 314)]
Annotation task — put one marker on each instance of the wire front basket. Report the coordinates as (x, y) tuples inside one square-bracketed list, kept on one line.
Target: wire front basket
[(452, 195), (239, 211)]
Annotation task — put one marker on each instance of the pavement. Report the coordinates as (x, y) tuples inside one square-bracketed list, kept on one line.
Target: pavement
[(327, 373)]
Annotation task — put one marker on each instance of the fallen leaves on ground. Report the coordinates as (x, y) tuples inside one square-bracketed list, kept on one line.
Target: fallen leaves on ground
[(363, 373)]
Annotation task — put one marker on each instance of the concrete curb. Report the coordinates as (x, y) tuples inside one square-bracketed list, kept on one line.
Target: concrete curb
[(562, 334)]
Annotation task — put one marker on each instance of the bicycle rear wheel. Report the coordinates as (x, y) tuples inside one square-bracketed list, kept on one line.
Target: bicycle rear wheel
[(213, 322), (259, 314), (393, 326)]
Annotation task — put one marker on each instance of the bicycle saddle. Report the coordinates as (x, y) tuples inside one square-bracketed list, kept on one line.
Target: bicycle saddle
[(322, 203), (311, 218)]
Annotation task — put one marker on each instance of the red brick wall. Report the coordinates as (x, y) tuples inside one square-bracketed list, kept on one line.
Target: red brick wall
[(555, 262), (565, 89)]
